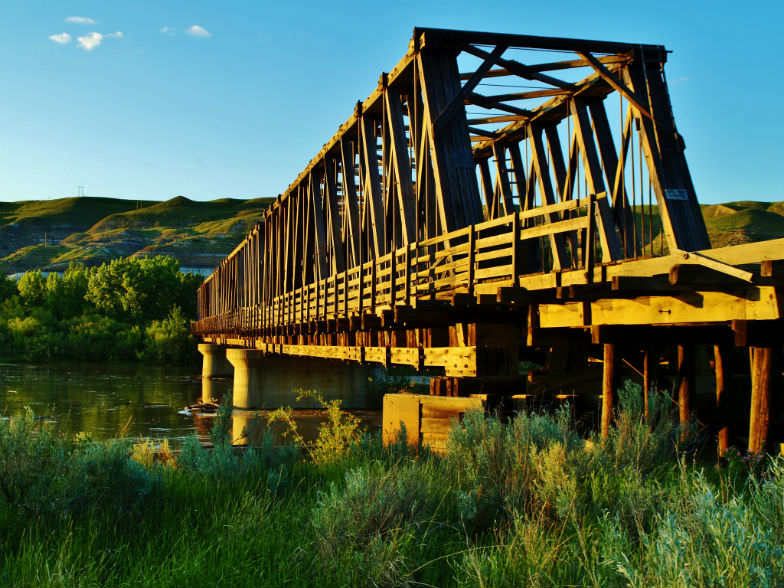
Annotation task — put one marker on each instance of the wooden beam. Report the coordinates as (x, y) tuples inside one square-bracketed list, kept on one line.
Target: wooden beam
[(539, 159), (406, 200), (457, 101), (554, 66), (762, 359), (608, 389), (721, 398), (372, 185), (611, 245), (520, 69), (615, 82), (686, 390)]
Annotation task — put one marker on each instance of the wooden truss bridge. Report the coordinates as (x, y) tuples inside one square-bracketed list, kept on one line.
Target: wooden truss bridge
[(501, 198)]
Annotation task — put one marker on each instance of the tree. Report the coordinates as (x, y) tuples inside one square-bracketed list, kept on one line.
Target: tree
[(32, 289), (7, 287), (140, 290)]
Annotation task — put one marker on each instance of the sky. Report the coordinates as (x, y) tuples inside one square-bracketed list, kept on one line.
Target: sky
[(152, 99)]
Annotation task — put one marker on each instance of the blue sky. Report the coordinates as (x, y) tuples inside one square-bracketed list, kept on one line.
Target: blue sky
[(151, 107)]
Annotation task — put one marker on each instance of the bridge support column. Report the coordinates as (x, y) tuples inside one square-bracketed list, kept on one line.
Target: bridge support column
[(247, 364), (214, 363)]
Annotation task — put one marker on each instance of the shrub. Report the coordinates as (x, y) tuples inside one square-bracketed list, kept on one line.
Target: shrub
[(43, 473), (169, 341), (367, 524)]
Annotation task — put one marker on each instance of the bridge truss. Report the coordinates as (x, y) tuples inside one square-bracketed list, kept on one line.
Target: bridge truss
[(495, 193)]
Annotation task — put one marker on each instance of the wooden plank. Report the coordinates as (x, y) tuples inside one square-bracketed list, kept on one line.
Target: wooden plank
[(754, 304)]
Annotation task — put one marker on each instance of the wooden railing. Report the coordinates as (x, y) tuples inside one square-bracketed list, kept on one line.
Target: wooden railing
[(491, 251)]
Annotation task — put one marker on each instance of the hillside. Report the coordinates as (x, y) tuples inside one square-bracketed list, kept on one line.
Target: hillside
[(94, 230), (200, 234)]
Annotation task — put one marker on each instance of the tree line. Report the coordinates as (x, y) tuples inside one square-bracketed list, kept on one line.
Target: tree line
[(131, 309)]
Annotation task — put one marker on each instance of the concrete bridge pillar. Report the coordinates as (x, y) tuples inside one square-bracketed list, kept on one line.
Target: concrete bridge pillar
[(214, 364), (247, 376)]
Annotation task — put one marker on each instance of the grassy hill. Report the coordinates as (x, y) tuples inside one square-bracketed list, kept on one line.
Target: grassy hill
[(94, 230), (200, 234)]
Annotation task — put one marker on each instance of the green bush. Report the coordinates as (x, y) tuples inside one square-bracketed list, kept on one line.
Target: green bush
[(42, 473), (169, 340)]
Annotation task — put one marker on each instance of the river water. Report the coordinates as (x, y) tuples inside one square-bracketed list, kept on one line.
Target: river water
[(141, 401)]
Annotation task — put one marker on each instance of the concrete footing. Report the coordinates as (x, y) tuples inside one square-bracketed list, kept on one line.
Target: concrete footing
[(247, 385), (214, 364)]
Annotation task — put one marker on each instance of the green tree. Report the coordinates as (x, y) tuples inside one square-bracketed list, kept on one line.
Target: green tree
[(140, 290), (65, 295), (7, 287), (32, 289)]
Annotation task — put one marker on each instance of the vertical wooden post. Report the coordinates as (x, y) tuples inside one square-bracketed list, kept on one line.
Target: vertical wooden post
[(590, 232), (373, 285), (515, 237), (718, 366), (392, 272), (408, 273), (608, 388), (646, 381), (471, 258), (685, 387), (761, 360)]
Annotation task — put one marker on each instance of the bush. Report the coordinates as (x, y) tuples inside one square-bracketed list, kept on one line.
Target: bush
[(365, 526), (43, 473), (169, 340)]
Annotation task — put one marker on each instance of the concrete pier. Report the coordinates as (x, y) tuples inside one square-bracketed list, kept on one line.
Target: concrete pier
[(247, 372), (209, 390), (214, 364)]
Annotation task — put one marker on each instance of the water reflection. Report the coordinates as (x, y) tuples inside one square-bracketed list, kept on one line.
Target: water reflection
[(136, 400)]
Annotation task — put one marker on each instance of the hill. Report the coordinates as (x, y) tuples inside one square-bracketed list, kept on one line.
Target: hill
[(49, 234), (199, 234)]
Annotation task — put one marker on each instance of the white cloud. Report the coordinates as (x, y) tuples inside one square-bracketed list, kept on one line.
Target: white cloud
[(61, 39), (165, 30), (90, 41), (80, 20), (197, 31), (117, 35)]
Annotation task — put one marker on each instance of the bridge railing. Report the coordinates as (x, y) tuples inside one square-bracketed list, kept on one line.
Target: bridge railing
[(496, 252)]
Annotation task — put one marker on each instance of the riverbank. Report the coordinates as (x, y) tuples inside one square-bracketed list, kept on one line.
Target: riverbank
[(523, 503)]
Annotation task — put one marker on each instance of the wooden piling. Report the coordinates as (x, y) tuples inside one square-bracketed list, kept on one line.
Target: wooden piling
[(685, 387), (761, 360), (646, 380), (718, 366), (608, 388)]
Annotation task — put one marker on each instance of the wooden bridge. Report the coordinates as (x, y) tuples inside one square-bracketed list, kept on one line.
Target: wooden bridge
[(501, 198)]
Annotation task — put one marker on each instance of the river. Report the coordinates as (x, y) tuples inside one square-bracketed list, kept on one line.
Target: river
[(141, 401)]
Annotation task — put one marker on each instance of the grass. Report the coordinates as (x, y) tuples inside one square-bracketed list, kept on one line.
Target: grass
[(94, 230), (526, 502)]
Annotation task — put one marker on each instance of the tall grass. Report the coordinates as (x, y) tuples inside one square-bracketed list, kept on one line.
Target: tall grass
[(524, 502)]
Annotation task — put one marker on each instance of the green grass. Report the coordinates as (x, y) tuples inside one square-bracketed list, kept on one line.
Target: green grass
[(94, 230), (524, 503)]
